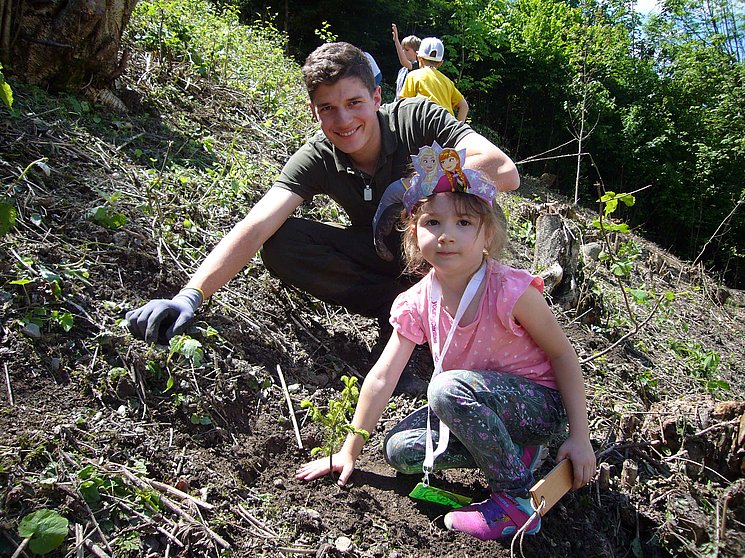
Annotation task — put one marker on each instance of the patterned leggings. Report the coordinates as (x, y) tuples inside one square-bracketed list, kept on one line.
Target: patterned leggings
[(491, 415)]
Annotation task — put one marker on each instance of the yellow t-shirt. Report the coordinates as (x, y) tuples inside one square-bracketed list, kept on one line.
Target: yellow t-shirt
[(433, 84)]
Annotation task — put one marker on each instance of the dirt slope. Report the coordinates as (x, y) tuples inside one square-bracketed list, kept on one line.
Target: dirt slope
[(104, 429)]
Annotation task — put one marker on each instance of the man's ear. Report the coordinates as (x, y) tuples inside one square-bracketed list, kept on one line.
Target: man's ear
[(378, 97)]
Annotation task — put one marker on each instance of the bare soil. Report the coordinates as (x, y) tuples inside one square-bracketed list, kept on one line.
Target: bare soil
[(94, 399)]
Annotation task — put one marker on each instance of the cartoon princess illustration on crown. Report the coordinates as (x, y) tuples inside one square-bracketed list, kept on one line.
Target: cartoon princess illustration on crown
[(454, 179)]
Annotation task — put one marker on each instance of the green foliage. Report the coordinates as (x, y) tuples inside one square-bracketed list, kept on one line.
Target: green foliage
[(106, 215), (336, 420), (325, 33), (701, 363), (6, 93), (213, 43), (8, 215), (46, 528), (187, 347)]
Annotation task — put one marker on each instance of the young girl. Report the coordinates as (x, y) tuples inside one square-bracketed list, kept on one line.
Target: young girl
[(510, 376)]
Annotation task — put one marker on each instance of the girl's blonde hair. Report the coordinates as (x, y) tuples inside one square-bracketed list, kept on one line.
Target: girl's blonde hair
[(490, 217)]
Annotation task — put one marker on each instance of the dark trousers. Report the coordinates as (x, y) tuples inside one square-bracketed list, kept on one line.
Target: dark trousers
[(335, 264)]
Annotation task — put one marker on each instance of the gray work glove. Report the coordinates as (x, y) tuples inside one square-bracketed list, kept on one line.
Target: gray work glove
[(161, 319)]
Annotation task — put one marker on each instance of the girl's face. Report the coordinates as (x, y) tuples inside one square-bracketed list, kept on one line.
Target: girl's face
[(450, 163), (428, 162), (453, 244), (410, 54)]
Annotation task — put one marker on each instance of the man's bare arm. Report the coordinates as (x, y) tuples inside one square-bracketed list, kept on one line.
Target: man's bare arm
[(237, 248), (483, 155)]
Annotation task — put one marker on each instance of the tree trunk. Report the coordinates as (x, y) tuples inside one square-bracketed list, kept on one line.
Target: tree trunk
[(64, 44)]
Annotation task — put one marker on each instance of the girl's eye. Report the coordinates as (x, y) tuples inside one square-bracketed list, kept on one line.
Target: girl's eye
[(464, 223), (431, 222)]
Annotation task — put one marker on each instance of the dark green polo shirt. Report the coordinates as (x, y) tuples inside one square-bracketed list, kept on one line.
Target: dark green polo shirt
[(406, 125)]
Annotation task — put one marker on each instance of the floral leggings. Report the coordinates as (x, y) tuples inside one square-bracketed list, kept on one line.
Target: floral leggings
[(491, 416)]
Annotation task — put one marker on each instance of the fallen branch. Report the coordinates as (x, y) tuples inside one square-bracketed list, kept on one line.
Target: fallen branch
[(289, 404), (7, 384), (264, 531)]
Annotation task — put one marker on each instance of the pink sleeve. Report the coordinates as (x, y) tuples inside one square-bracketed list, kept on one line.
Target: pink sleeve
[(512, 284), (407, 320)]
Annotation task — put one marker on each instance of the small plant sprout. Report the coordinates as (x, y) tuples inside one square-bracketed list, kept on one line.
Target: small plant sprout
[(336, 421)]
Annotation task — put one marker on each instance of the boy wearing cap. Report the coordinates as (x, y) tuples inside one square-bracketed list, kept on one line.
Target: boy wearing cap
[(433, 84), (360, 149)]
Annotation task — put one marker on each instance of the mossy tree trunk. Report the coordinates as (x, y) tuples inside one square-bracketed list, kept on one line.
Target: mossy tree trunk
[(64, 44)]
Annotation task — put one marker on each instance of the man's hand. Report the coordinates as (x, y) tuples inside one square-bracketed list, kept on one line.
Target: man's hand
[(161, 319)]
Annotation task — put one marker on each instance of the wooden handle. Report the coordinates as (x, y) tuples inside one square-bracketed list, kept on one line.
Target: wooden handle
[(553, 486)]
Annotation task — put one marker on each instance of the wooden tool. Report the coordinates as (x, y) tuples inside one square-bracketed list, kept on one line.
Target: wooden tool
[(550, 489)]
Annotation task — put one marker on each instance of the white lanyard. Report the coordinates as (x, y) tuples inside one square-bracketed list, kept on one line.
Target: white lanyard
[(438, 355)]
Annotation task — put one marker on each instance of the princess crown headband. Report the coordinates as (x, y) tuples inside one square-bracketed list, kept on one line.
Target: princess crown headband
[(438, 170)]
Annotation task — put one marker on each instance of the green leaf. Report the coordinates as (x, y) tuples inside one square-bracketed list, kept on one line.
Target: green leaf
[(6, 93), (7, 217), (639, 295), (46, 528)]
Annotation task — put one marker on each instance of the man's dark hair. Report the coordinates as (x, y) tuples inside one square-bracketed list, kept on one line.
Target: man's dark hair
[(331, 62)]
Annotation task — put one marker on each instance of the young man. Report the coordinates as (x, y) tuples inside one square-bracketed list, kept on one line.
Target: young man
[(360, 149)]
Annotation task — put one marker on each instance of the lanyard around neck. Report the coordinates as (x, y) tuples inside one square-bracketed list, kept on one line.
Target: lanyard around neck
[(438, 354)]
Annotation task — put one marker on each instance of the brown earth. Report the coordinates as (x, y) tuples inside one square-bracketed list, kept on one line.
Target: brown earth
[(93, 428)]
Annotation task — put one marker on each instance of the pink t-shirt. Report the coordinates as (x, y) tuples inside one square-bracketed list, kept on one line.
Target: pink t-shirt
[(494, 340)]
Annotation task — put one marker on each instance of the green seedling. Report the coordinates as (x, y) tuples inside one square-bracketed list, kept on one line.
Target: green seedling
[(106, 215), (336, 421), (43, 530)]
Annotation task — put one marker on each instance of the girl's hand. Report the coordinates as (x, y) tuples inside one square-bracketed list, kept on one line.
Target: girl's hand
[(343, 464), (580, 453)]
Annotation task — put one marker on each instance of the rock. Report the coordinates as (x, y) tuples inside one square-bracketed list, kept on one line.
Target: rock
[(31, 330), (591, 251), (343, 544)]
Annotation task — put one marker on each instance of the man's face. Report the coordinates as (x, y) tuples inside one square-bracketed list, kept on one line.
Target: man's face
[(347, 112)]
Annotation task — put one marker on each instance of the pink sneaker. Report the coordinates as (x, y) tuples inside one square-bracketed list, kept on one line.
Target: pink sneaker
[(499, 516), (534, 456)]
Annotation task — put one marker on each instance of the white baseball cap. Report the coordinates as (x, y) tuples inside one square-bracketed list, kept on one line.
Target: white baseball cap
[(432, 49)]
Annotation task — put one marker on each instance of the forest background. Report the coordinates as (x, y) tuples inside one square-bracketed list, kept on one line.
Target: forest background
[(591, 95), (114, 191), (647, 100)]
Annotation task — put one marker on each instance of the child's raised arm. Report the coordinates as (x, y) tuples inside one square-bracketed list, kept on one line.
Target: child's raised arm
[(405, 62), (532, 313), (374, 395)]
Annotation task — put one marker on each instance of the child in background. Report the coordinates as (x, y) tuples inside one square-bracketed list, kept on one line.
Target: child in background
[(406, 51), (433, 84), (509, 380), (377, 74)]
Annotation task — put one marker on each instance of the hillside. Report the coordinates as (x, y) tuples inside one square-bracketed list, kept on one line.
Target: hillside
[(190, 450)]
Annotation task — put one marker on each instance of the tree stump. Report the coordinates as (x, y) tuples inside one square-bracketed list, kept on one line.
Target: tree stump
[(64, 44), (556, 258)]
